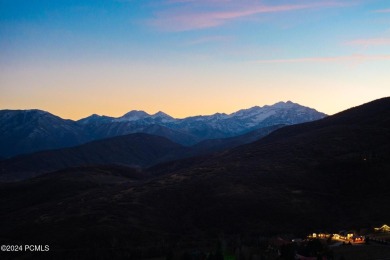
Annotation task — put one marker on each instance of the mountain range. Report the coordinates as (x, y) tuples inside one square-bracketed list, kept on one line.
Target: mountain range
[(27, 131), (330, 174)]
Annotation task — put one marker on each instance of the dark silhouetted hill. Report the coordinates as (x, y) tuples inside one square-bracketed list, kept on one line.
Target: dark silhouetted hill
[(330, 173), (134, 150)]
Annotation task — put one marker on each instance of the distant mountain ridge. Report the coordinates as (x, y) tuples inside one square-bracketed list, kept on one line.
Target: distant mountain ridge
[(27, 131)]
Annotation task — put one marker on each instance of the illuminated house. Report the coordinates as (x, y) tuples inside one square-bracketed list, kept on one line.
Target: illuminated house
[(384, 228), (345, 235), (358, 239)]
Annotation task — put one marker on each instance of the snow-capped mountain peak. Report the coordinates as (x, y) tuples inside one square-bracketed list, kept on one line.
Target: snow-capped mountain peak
[(161, 114), (139, 115), (246, 112), (133, 115), (161, 117), (187, 131), (284, 105), (94, 118)]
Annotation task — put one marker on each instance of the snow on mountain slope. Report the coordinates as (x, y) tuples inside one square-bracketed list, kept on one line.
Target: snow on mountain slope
[(218, 125), (25, 131)]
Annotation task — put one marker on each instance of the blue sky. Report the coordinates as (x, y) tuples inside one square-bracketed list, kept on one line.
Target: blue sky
[(184, 57)]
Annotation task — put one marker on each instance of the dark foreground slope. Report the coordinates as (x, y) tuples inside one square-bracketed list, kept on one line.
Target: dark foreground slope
[(330, 174), (134, 150), (74, 211), (216, 145)]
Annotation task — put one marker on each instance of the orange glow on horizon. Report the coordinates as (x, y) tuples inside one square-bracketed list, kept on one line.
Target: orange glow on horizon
[(74, 92)]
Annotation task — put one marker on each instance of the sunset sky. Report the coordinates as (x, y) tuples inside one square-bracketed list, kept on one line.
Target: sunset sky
[(190, 57)]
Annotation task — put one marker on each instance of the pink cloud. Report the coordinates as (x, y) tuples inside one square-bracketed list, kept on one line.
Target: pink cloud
[(184, 20), (356, 58), (369, 42)]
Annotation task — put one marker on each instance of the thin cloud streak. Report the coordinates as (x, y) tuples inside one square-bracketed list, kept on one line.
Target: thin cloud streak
[(369, 42), (382, 11), (209, 39), (185, 21), (196, 1), (357, 58)]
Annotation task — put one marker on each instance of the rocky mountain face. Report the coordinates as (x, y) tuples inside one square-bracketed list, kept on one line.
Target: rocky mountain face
[(26, 131), (191, 130)]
